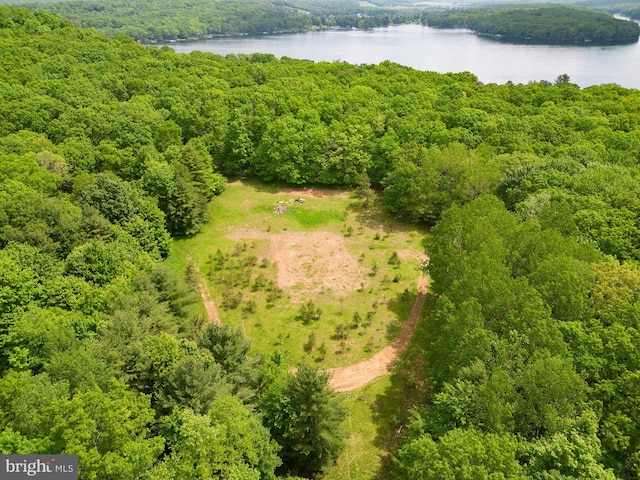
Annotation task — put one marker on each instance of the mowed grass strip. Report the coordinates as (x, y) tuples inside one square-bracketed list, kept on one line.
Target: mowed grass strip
[(267, 251)]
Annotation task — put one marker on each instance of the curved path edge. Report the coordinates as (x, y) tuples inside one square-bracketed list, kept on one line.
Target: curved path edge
[(351, 377)]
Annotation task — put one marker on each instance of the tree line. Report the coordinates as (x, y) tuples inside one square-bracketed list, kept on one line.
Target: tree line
[(108, 149), (554, 25), (169, 20)]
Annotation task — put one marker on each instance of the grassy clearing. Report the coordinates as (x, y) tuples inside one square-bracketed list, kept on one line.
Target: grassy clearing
[(357, 266), (246, 243), (379, 413)]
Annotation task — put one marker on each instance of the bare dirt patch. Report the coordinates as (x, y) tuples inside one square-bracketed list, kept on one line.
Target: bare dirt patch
[(314, 262), (310, 263)]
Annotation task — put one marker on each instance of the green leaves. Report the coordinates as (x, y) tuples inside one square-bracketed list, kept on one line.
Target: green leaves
[(106, 147), (554, 25), (460, 453), (516, 348), (17, 284), (228, 442), (309, 312), (107, 432), (305, 418), (194, 381), (112, 197), (100, 263), (424, 183)]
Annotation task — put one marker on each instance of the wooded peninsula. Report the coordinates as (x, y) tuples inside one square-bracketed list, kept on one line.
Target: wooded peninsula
[(112, 153), (547, 25)]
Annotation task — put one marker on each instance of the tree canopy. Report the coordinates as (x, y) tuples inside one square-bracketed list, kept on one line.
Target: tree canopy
[(108, 149), (169, 20), (550, 25)]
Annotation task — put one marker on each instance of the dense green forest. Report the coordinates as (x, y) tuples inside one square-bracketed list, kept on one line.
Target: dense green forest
[(108, 148), (174, 19), (543, 24)]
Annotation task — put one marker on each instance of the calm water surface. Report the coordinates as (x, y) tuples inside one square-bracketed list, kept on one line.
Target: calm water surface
[(443, 51)]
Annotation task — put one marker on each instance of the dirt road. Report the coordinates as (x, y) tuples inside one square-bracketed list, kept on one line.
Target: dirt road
[(209, 304), (349, 378)]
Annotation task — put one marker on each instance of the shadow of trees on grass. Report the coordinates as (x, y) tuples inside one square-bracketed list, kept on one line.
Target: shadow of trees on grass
[(409, 388), (400, 307)]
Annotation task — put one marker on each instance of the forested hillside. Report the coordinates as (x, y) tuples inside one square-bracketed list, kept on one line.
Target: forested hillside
[(549, 25), (178, 19), (108, 148), (165, 20)]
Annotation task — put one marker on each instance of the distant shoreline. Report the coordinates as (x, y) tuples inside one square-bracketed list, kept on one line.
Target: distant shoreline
[(261, 34), (496, 37)]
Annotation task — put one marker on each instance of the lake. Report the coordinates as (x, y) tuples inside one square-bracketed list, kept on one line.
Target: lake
[(426, 48)]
